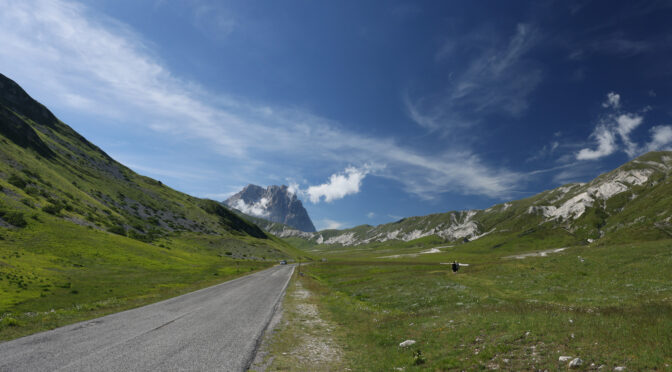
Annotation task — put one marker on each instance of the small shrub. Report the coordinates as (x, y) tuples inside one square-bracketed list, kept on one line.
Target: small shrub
[(31, 174), (418, 358), (54, 209), (15, 218), (17, 181), (9, 322), (119, 230), (146, 238), (32, 190)]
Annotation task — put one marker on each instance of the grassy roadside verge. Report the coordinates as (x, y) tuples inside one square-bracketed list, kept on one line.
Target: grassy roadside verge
[(56, 273), (608, 305), (305, 339)]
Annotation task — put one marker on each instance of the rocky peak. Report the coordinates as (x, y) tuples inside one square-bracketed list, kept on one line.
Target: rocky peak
[(274, 203)]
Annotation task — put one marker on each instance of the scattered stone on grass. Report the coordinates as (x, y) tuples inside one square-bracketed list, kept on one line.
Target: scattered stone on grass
[(575, 363), (565, 358), (620, 368), (407, 343)]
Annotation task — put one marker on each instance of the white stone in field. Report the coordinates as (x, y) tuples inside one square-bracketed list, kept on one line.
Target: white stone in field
[(564, 358), (407, 343), (621, 368), (575, 363)]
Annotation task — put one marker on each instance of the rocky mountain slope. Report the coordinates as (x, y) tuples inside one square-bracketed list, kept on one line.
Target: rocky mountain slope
[(274, 203), (633, 201), (46, 168)]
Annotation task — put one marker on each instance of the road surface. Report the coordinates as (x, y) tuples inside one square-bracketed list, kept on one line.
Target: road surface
[(213, 329)]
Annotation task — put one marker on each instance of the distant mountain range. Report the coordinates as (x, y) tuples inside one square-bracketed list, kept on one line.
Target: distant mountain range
[(274, 204), (632, 202)]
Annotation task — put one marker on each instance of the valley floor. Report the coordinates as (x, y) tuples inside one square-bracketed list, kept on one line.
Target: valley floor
[(610, 306)]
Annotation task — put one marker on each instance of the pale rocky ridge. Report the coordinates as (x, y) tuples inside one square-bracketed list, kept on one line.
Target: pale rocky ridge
[(567, 207)]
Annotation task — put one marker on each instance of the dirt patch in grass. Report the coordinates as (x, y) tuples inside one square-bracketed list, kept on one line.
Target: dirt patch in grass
[(303, 340)]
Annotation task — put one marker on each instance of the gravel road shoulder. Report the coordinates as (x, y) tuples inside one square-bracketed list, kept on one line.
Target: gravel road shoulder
[(302, 339)]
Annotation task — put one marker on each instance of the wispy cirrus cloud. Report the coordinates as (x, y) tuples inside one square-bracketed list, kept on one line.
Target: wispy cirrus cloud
[(499, 79), (71, 57), (328, 224)]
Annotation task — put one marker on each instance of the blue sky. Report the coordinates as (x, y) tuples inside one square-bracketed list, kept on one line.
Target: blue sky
[(370, 111)]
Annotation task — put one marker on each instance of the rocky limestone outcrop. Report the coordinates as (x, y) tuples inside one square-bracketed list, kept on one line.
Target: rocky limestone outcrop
[(274, 203)]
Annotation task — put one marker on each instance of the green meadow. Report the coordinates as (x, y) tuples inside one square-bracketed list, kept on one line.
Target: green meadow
[(609, 305)]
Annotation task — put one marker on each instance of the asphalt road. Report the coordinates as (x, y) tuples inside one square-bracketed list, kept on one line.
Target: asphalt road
[(213, 329)]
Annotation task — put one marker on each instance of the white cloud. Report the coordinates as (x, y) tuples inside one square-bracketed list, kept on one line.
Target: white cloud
[(70, 57), (621, 125), (338, 186), (213, 20), (293, 188), (428, 120), (625, 124), (258, 209), (327, 224), (620, 45), (661, 138), (613, 100), (606, 145), (545, 151), (370, 215)]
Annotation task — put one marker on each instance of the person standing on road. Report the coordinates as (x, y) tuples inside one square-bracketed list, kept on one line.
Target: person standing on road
[(456, 266)]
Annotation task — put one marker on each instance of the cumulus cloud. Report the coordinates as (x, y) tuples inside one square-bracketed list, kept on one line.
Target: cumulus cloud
[(72, 58), (338, 186), (258, 209), (293, 188), (661, 138), (613, 100), (625, 124), (606, 144), (370, 215), (618, 125)]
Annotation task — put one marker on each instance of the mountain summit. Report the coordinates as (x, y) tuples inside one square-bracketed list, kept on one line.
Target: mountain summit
[(274, 203)]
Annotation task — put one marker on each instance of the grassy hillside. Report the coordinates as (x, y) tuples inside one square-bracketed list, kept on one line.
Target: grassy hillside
[(82, 235)]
